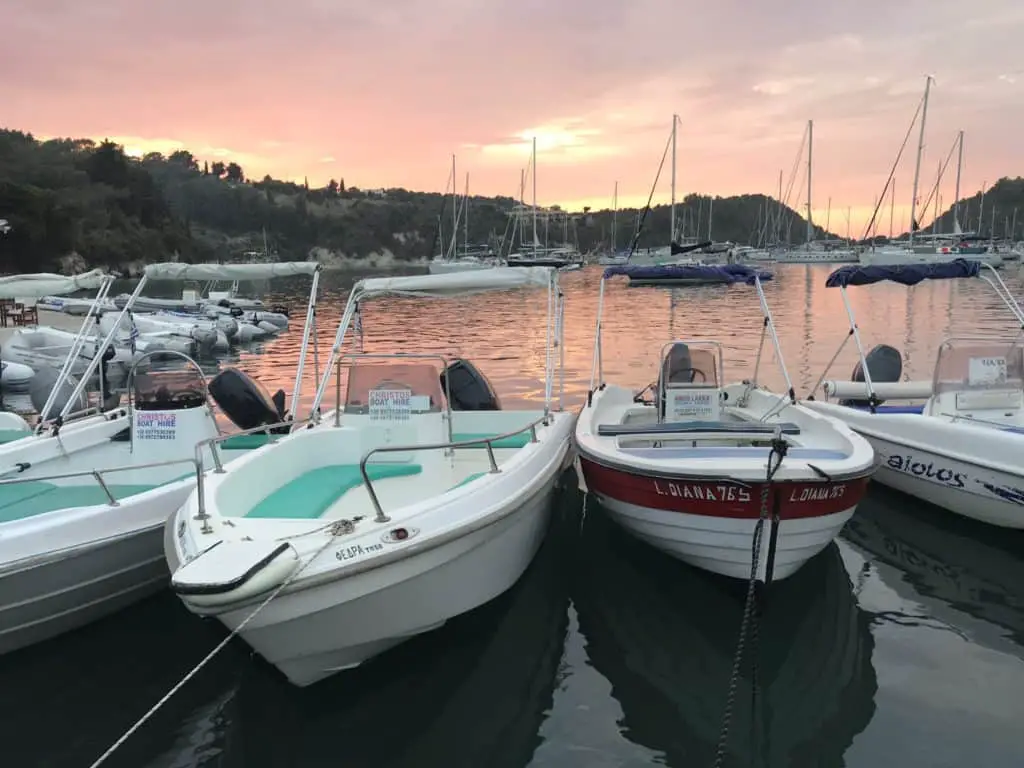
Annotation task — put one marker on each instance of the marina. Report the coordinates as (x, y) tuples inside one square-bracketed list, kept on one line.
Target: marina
[(593, 647)]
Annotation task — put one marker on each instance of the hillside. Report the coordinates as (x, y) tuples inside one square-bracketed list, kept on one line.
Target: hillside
[(73, 203)]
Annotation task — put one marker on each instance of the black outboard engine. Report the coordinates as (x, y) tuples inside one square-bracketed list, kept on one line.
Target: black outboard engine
[(246, 402), (468, 388), (885, 364)]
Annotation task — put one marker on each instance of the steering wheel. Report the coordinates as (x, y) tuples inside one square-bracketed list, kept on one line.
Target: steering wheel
[(693, 373), (639, 396)]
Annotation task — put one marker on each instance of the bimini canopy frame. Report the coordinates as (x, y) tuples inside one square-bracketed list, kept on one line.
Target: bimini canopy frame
[(179, 271), (462, 284), (908, 275), (732, 274)]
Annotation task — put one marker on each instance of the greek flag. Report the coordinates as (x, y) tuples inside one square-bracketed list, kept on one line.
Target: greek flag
[(5, 227), (357, 326)]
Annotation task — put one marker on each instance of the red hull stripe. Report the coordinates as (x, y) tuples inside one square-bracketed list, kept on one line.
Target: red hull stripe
[(713, 498)]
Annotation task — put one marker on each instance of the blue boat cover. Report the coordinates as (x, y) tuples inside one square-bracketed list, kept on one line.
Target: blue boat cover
[(719, 273), (905, 274)]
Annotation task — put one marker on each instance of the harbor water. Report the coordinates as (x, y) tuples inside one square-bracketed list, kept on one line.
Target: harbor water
[(901, 644)]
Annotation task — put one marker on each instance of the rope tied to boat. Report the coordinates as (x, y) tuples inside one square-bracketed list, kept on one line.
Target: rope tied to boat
[(775, 457), (217, 649)]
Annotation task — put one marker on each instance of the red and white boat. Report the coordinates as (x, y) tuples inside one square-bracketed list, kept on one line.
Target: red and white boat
[(687, 469)]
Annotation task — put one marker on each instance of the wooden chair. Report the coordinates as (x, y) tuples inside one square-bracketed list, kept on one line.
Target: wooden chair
[(24, 313), (6, 305)]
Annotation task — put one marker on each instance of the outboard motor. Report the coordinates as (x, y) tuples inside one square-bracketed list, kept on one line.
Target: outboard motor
[(43, 383), (246, 402), (885, 364), (468, 388)]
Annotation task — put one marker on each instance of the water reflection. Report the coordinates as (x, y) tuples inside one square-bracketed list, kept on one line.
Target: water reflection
[(967, 574), (473, 693), (664, 635)]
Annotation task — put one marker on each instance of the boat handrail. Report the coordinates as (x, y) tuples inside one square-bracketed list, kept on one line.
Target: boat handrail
[(451, 444), (92, 410), (97, 474), (212, 442), (738, 429)]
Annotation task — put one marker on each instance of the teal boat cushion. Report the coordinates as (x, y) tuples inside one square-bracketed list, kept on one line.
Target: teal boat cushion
[(245, 442), (10, 435), (22, 500), (515, 441), (310, 494), (468, 480)]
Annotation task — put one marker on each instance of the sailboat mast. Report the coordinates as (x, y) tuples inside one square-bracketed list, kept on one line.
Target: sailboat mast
[(615, 215), (672, 219), (778, 219), (892, 205), (810, 157), (917, 165), (465, 218), (534, 161), (455, 212), (959, 165), (935, 214)]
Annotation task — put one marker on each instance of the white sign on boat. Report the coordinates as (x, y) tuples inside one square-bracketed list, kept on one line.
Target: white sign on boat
[(983, 371), (692, 404), (390, 404)]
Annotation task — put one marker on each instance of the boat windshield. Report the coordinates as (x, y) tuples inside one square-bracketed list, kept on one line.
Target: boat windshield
[(979, 365), (169, 390), (687, 365), (409, 387)]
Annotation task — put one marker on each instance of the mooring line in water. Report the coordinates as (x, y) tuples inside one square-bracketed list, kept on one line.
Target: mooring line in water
[(206, 659), (779, 447)]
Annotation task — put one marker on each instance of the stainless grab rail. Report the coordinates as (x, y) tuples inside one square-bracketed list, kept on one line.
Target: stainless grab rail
[(487, 441), (98, 475), (219, 465)]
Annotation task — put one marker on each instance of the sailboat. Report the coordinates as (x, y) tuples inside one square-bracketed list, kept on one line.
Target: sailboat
[(814, 251), (449, 261)]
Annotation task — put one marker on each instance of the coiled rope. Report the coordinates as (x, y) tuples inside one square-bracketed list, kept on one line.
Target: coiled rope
[(775, 457), (206, 659)]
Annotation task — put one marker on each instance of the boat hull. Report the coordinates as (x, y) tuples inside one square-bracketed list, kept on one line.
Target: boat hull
[(54, 593), (321, 629), (710, 522), (927, 457)]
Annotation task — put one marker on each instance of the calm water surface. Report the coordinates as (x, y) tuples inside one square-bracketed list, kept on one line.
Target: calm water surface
[(901, 644)]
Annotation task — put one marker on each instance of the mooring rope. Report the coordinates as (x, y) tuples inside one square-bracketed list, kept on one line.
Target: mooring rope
[(778, 452), (206, 659)]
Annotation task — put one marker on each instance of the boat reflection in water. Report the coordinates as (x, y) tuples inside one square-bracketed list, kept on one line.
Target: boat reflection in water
[(664, 635), (967, 574), (474, 693)]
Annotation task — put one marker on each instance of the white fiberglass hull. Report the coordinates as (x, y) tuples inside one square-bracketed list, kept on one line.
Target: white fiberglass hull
[(67, 568), (964, 468), (703, 509), (364, 592)]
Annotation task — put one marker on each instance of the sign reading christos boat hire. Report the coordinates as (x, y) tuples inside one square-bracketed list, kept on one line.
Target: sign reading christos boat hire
[(155, 425)]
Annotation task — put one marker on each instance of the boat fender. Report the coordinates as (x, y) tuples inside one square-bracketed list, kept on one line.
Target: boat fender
[(885, 364), (230, 572)]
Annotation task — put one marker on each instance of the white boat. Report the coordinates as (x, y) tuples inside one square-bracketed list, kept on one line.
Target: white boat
[(449, 260), (959, 447), (699, 468), (414, 500), (83, 501)]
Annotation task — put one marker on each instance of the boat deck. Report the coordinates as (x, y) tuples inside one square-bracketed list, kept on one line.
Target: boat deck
[(338, 491)]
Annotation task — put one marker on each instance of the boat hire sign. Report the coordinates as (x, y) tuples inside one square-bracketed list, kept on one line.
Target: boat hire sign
[(691, 404), (983, 371), (390, 404), (155, 425)]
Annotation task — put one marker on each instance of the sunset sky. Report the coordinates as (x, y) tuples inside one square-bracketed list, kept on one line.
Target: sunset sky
[(383, 95)]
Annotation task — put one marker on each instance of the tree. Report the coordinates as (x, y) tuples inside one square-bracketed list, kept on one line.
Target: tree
[(184, 159), (234, 173), (206, 168), (218, 169), (332, 188)]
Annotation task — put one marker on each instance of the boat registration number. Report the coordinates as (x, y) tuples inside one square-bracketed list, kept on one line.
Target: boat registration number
[(355, 551)]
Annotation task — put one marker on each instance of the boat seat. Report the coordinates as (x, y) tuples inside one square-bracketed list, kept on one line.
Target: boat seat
[(519, 440), (468, 480), (246, 442), (707, 427), (312, 493), (23, 500), (732, 452), (10, 435)]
